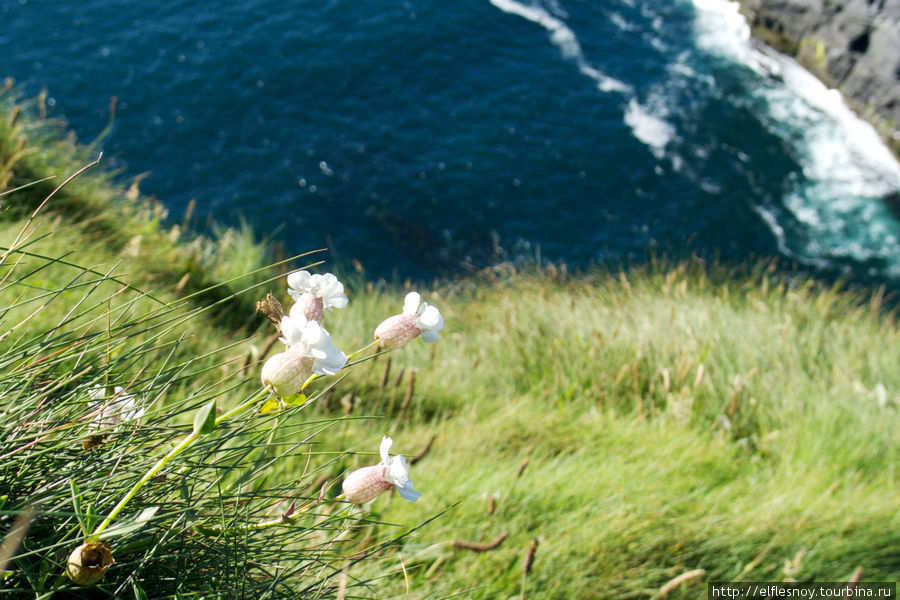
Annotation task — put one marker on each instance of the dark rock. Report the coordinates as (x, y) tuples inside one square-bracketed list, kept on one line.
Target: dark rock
[(892, 200), (853, 45)]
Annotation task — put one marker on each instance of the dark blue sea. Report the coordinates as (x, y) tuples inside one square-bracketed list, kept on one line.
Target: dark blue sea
[(429, 138)]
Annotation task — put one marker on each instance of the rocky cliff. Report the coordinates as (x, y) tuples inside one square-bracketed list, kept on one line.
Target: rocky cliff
[(853, 45)]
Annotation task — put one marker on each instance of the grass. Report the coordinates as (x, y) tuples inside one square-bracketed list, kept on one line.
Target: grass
[(637, 426), (677, 418)]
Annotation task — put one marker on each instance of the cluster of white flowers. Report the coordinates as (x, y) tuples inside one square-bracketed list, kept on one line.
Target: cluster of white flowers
[(309, 347), (312, 294), (310, 350)]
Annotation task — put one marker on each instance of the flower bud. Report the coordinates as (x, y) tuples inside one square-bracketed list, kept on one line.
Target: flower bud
[(310, 307), (365, 484), (88, 563), (286, 372), (417, 318), (397, 331)]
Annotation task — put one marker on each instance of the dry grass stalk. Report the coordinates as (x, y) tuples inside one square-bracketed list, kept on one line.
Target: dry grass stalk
[(521, 468), (343, 579), (529, 556), (424, 452), (384, 377), (480, 546), (410, 390), (13, 539), (676, 581)]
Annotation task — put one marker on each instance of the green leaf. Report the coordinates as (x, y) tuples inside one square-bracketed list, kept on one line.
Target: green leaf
[(130, 526), (207, 531), (90, 516), (139, 593), (270, 405), (295, 400), (76, 505), (205, 421)]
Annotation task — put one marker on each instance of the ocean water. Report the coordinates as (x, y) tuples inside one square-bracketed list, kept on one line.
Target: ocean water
[(429, 138)]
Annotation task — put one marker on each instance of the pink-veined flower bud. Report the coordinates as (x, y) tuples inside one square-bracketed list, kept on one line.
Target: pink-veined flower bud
[(417, 319), (310, 307), (397, 331), (286, 372), (365, 484)]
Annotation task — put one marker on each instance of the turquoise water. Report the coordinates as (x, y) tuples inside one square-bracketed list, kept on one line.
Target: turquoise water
[(426, 138)]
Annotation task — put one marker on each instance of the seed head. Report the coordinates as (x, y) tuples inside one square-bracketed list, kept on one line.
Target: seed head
[(88, 563)]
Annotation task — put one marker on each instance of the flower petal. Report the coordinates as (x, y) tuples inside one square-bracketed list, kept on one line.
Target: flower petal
[(386, 444), (409, 493), (314, 336), (430, 336), (292, 330), (299, 280), (333, 361), (397, 474), (430, 319), (411, 303)]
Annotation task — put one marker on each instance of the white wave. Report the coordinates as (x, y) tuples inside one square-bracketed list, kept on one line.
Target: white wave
[(649, 127), (847, 168), (620, 22), (564, 38)]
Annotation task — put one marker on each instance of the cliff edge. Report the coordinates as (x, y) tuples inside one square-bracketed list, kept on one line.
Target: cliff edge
[(852, 45)]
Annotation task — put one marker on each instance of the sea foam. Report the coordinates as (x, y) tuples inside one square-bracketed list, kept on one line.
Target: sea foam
[(565, 39), (836, 209)]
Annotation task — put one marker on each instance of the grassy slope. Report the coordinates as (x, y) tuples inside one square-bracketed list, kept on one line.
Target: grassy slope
[(671, 420), (670, 424)]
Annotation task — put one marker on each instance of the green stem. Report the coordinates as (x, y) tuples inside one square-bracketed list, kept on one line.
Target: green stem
[(181, 447), (363, 349), (242, 407), (315, 376), (185, 443), (289, 519)]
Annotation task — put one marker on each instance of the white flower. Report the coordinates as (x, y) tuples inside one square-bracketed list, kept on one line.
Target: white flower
[(120, 408), (417, 319), (365, 484), (325, 287), (308, 338), (397, 471)]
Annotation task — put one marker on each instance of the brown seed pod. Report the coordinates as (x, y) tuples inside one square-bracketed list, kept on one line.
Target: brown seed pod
[(88, 563)]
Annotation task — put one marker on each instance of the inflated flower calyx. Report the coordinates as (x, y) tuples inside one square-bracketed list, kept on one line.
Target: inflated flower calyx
[(88, 563), (310, 307), (365, 484), (286, 372), (417, 319)]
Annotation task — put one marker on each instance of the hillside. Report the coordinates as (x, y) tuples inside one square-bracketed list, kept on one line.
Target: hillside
[(620, 428)]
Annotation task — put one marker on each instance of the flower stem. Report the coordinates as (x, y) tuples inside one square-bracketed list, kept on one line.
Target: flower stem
[(186, 443), (363, 349), (315, 376)]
